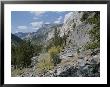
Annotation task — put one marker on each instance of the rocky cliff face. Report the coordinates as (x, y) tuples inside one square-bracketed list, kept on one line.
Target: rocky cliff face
[(77, 62), (76, 31), (77, 34), (71, 20)]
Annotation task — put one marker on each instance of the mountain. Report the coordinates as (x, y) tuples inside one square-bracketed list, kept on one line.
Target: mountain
[(42, 35), (21, 34), (15, 40), (73, 47)]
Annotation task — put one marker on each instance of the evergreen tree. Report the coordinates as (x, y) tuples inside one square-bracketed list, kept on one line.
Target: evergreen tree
[(22, 54)]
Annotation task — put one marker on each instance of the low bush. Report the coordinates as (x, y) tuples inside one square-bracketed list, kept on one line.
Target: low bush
[(16, 72), (44, 64), (74, 25), (92, 45), (54, 54)]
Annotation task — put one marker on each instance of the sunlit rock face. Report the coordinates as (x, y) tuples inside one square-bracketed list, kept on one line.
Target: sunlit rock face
[(69, 20), (75, 29), (77, 36)]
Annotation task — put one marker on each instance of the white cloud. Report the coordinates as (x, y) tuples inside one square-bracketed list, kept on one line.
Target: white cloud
[(35, 18), (37, 13), (36, 25), (58, 20), (47, 22), (22, 27), (60, 11), (67, 16), (36, 28)]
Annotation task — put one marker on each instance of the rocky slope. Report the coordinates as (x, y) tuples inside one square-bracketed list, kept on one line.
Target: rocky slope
[(75, 60), (86, 64)]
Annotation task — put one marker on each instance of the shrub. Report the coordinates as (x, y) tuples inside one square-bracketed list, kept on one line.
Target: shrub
[(78, 50), (92, 45), (54, 54), (44, 64), (16, 72), (84, 16), (74, 25), (37, 49)]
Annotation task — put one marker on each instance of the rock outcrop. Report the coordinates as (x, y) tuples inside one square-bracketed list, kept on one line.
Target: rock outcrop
[(77, 62), (82, 66)]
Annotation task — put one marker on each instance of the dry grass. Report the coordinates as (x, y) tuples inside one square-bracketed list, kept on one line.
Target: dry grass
[(16, 72), (44, 64)]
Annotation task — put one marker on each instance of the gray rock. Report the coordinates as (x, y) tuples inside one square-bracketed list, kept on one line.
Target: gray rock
[(81, 62)]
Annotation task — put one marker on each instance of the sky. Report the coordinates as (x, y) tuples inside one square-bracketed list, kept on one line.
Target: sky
[(31, 21)]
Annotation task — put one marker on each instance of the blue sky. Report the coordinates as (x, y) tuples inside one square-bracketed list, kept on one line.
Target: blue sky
[(31, 21)]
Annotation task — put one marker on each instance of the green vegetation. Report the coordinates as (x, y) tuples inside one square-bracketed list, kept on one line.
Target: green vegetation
[(85, 16), (95, 32), (44, 64), (47, 61), (74, 25), (41, 56), (15, 39), (22, 54), (92, 45), (78, 50), (54, 55), (37, 49), (16, 72), (51, 59), (57, 40)]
